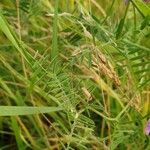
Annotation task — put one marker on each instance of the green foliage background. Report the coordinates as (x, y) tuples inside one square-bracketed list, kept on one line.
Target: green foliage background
[(74, 74)]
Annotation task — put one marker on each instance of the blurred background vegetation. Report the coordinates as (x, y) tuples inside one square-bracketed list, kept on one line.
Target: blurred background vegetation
[(89, 57)]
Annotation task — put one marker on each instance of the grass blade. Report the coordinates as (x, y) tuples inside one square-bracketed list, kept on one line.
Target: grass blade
[(54, 51), (141, 7), (25, 110), (4, 26)]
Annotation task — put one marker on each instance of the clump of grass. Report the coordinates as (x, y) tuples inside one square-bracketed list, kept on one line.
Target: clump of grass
[(74, 74)]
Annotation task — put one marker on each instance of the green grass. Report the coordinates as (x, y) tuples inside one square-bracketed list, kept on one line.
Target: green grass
[(74, 74)]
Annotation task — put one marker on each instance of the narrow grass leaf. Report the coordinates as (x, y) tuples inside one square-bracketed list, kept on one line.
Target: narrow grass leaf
[(54, 51), (16, 130), (25, 110), (4, 26), (141, 7)]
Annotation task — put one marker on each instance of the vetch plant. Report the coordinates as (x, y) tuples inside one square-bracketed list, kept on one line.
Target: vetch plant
[(78, 81)]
